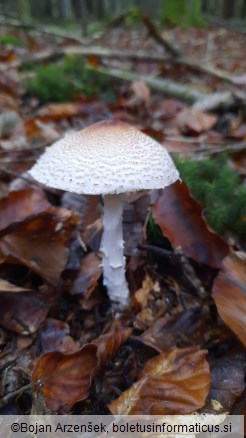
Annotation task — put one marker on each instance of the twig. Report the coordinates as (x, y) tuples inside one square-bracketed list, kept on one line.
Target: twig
[(204, 148), (209, 102), (165, 86), (153, 32), (186, 267), (31, 182), (49, 55), (155, 249), (9, 396), (189, 273)]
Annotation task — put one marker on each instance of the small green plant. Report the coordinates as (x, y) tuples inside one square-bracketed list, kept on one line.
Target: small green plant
[(133, 16), (10, 40), (219, 189), (61, 82), (182, 13)]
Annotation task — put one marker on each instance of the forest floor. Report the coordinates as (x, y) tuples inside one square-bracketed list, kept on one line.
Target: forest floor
[(63, 348)]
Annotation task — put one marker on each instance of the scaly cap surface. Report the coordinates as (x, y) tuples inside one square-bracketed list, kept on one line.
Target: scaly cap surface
[(105, 158)]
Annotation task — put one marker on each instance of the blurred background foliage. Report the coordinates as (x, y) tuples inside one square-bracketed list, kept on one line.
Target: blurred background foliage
[(86, 12)]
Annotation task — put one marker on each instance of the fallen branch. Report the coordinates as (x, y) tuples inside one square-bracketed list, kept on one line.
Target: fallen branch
[(165, 86), (153, 33), (106, 52), (49, 55), (207, 102)]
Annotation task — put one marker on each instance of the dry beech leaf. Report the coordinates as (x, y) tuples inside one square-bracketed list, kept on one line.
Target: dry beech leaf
[(21, 310), (65, 379), (227, 382), (18, 206), (229, 294), (170, 330), (141, 91), (180, 219), (57, 111), (40, 243), (54, 336), (194, 121), (89, 274), (109, 343), (172, 383)]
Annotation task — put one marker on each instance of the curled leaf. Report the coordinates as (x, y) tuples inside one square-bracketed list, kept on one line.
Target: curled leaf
[(180, 219), (65, 379), (229, 294), (21, 310), (172, 383)]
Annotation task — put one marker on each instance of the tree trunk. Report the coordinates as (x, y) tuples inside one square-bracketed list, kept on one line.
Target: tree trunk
[(229, 9)]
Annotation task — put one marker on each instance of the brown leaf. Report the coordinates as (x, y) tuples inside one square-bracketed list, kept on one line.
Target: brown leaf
[(109, 343), (180, 219), (54, 336), (57, 111), (21, 310), (194, 121), (65, 379), (175, 382), (227, 382), (170, 331), (89, 274), (40, 243), (18, 206), (141, 91), (229, 293)]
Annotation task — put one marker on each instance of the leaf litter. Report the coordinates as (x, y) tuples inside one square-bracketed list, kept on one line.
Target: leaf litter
[(178, 348)]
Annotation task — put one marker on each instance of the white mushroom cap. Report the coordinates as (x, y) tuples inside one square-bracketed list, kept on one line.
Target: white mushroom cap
[(105, 158)]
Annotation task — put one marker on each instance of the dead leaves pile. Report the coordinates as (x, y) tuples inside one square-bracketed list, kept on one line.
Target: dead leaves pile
[(179, 347)]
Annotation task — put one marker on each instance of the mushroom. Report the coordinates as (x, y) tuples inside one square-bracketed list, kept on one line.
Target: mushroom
[(107, 158)]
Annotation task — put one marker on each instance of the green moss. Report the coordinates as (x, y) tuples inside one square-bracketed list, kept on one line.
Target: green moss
[(61, 82), (219, 188), (133, 16), (183, 13), (10, 40)]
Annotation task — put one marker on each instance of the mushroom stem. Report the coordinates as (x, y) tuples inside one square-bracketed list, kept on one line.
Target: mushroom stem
[(112, 247)]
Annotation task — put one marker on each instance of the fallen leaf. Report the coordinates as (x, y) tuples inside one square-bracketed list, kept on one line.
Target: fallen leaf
[(227, 382), (64, 379), (7, 102), (172, 383), (239, 80), (170, 331), (180, 218), (229, 294), (57, 111), (21, 310), (194, 121), (141, 91), (36, 129), (109, 343), (141, 295), (54, 336), (89, 274), (40, 243), (20, 205)]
